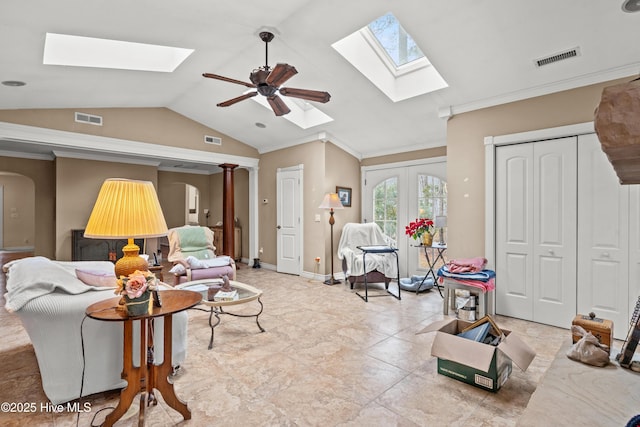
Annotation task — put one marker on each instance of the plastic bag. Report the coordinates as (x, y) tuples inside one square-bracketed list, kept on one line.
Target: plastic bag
[(588, 349)]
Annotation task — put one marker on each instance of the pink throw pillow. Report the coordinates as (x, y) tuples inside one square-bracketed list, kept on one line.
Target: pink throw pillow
[(97, 278)]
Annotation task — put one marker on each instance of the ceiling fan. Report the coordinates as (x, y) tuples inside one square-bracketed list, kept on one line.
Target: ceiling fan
[(267, 83)]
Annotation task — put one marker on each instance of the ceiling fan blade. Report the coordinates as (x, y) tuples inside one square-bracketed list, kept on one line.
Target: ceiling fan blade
[(238, 99), (309, 95), (280, 74), (227, 79), (278, 105)]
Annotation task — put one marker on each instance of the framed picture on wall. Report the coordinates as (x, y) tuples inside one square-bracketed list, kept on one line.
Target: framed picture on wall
[(344, 193)]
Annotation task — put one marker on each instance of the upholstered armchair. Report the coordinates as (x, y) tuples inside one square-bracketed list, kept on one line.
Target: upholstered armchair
[(379, 268), (194, 257)]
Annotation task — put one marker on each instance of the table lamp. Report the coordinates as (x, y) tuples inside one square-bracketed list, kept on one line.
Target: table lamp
[(331, 201), (127, 209), (441, 223)]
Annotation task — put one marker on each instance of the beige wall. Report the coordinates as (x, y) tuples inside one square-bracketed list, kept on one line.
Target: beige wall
[(325, 166), (152, 125), (172, 196), (18, 210), (77, 185), (465, 154), (343, 170), (42, 173)]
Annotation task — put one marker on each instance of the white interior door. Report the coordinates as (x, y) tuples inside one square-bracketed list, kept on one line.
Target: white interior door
[(603, 239), (289, 218), (536, 231)]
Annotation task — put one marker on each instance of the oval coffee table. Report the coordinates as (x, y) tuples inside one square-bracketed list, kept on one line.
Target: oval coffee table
[(246, 293)]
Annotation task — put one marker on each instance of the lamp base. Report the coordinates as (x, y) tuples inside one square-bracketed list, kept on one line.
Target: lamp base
[(332, 281), (131, 261)]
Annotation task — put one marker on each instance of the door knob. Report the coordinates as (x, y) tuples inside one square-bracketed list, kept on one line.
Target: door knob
[(551, 252), (605, 255), (278, 227)]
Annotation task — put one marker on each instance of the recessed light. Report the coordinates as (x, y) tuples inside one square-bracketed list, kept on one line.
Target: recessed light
[(13, 83), (261, 125)]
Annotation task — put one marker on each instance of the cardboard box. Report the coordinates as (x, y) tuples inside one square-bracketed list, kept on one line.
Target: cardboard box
[(475, 363)]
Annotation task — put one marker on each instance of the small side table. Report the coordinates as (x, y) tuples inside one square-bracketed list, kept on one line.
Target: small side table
[(439, 255), (146, 376), (378, 249), (157, 271)]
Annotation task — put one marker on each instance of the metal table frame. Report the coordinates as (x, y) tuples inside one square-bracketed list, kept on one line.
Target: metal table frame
[(439, 256), (378, 249)]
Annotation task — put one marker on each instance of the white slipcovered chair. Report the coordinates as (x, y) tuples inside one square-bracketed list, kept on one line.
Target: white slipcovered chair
[(379, 268)]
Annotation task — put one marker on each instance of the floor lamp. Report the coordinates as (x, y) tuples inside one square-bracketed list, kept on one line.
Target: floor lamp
[(331, 201)]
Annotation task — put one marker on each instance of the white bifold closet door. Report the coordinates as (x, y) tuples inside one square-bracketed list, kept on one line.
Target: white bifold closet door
[(536, 231), (603, 237)]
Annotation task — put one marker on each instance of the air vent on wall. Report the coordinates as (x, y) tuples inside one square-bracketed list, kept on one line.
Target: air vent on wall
[(561, 56), (212, 140), (89, 119)]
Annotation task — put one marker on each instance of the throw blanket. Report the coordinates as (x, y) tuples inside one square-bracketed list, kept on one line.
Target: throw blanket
[(33, 277), (354, 235), (195, 264), (466, 265), (482, 276), (190, 240), (488, 285)]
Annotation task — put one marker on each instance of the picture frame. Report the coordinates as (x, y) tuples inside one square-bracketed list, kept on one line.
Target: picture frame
[(344, 194)]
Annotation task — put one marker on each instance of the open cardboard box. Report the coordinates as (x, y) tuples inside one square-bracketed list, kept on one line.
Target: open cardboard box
[(475, 363)]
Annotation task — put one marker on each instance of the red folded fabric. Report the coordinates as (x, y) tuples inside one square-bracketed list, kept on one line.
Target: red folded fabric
[(489, 285), (466, 265)]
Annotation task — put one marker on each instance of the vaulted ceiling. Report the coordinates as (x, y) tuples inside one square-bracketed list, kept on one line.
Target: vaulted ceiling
[(484, 49)]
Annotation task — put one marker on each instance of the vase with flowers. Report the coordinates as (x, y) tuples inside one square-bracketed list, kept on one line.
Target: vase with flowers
[(421, 228), (136, 291)]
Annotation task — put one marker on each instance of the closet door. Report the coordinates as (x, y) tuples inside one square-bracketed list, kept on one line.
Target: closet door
[(603, 238), (536, 231), (514, 231), (554, 231)]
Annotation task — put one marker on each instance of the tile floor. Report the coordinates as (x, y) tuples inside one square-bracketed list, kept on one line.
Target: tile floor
[(326, 359)]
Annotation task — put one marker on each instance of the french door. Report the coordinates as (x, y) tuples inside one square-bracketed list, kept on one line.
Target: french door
[(393, 195)]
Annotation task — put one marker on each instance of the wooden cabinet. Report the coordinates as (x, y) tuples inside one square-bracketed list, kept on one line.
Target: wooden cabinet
[(85, 249), (237, 241)]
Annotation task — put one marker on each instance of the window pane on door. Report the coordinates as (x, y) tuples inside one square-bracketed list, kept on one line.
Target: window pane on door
[(432, 202), (385, 206)]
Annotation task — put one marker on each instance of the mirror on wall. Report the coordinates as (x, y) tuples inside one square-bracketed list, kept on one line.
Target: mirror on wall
[(192, 202)]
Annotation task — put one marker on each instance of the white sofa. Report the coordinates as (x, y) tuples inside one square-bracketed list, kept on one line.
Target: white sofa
[(51, 301)]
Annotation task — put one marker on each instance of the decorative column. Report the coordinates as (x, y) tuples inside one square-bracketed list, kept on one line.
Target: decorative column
[(228, 210)]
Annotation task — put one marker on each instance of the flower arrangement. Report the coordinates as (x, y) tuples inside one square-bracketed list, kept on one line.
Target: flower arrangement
[(136, 284), (417, 228)]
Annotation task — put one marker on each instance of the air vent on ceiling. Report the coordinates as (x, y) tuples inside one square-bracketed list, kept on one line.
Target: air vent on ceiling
[(212, 140), (89, 119), (571, 53)]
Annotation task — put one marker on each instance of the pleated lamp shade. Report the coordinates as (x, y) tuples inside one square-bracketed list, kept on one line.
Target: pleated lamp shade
[(127, 209)]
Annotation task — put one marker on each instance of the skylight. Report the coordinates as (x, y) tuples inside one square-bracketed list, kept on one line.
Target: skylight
[(391, 59), (303, 114), (78, 51), (395, 41)]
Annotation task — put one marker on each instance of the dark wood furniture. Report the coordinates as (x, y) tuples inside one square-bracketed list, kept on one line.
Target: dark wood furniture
[(147, 376), (85, 249)]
